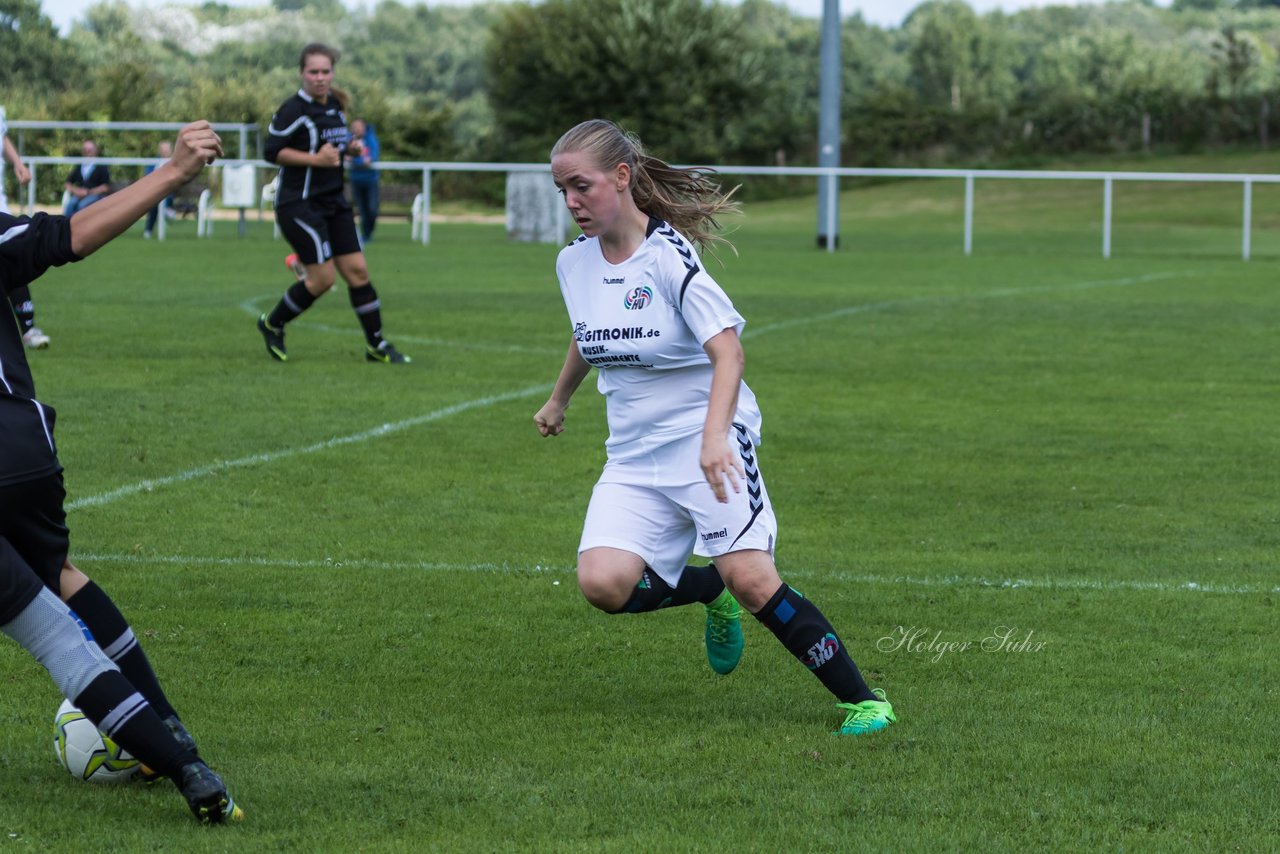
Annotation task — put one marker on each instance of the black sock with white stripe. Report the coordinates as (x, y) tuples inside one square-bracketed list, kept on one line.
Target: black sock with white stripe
[(697, 584), (364, 301), (111, 631), (117, 709), (295, 301)]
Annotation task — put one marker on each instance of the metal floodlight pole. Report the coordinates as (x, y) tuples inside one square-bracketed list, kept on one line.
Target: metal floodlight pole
[(829, 126)]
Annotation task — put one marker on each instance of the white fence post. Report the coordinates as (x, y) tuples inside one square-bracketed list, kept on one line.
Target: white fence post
[(968, 214), (1106, 217), (1248, 219), (426, 206), (833, 187)]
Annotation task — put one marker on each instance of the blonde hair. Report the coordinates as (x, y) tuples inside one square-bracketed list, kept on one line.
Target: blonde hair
[(685, 197)]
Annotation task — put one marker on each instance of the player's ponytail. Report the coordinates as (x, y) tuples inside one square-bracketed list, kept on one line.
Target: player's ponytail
[(686, 198)]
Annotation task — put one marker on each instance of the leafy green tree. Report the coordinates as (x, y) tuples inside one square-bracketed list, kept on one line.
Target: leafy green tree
[(677, 72), (36, 60), (945, 50)]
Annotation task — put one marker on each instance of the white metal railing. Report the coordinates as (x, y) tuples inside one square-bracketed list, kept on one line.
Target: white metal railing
[(241, 129), (829, 174)]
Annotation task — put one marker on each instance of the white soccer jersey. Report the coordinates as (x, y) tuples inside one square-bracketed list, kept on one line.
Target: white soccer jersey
[(642, 323)]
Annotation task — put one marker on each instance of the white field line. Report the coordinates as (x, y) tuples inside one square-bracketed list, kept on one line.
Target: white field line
[(1080, 584), (271, 456), (385, 429)]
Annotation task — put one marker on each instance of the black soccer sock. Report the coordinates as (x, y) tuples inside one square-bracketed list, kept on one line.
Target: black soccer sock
[(295, 301), (697, 584), (111, 630), (117, 709), (23, 308), (808, 635), (364, 300)]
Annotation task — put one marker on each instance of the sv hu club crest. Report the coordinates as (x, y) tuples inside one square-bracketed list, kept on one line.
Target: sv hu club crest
[(638, 298)]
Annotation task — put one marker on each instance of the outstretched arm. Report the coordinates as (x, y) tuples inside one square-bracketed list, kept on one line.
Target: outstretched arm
[(98, 224), (550, 418)]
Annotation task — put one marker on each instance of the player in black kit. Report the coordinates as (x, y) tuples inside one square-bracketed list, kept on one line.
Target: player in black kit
[(308, 137), (47, 605)]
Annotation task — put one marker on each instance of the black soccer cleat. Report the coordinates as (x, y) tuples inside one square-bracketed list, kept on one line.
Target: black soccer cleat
[(180, 734), (207, 795), (386, 354), (274, 339)]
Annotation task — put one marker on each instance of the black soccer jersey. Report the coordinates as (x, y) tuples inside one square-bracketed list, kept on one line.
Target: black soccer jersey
[(28, 247), (304, 124)]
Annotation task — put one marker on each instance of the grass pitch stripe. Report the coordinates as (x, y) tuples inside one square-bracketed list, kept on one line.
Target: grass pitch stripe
[(272, 456), (1080, 584)]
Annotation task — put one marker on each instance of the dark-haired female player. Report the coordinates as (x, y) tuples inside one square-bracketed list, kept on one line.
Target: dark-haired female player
[(308, 138)]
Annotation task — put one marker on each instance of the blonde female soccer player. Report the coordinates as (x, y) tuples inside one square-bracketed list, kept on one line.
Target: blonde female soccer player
[(682, 474)]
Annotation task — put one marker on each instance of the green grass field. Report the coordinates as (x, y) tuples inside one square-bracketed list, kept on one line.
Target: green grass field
[(356, 581)]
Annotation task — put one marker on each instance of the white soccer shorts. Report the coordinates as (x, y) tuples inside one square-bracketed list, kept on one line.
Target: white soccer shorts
[(661, 508)]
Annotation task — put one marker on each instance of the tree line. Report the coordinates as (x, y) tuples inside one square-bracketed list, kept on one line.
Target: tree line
[(699, 81)]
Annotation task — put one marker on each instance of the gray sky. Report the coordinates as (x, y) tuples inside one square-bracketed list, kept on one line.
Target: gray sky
[(887, 13)]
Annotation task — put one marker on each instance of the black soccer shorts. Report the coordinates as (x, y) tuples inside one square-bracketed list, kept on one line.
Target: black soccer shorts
[(319, 229), (34, 542)]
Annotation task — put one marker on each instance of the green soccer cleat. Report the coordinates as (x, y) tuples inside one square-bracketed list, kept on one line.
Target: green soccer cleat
[(724, 633), (386, 354), (274, 339), (867, 716)]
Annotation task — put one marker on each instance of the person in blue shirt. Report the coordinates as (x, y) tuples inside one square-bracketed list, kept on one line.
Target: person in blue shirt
[(364, 177)]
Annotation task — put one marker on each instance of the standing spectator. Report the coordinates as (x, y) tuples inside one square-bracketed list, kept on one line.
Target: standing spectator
[(308, 137), (20, 297), (364, 176), (88, 182), (164, 150)]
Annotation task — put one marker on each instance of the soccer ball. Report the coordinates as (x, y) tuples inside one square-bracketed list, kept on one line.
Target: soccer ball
[(86, 753)]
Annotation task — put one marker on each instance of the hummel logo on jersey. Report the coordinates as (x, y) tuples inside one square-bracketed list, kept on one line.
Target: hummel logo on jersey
[(621, 280), (715, 535)]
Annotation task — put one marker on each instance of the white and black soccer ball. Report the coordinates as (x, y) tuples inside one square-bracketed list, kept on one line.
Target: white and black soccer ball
[(86, 753)]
